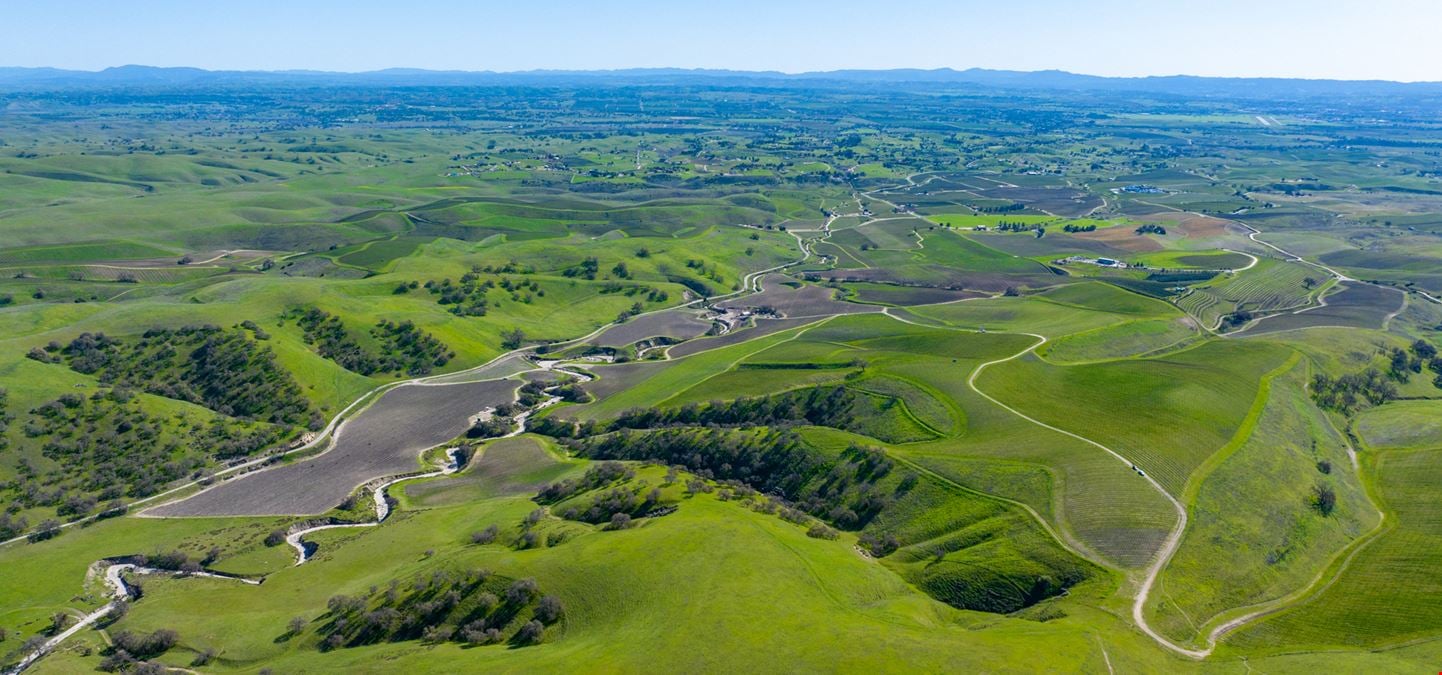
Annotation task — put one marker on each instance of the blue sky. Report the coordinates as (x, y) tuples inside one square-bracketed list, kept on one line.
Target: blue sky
[(1385, 39)]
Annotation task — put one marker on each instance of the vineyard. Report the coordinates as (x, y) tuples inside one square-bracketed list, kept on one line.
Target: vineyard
[(1270, 286)]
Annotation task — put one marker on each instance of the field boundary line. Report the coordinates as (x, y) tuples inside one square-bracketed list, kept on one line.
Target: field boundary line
[(1244, 432), (1170, 544), (1331, 573)]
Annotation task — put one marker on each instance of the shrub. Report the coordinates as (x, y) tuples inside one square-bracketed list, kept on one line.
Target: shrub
[(1324, 499), (204, 658), (821, 531), (530, 633), (47, 529), (485, 536), (879, 545), (145, 646), (549, 610), (521, 591)]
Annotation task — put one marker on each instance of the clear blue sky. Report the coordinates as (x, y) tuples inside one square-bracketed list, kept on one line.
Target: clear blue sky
[(1386, 39)]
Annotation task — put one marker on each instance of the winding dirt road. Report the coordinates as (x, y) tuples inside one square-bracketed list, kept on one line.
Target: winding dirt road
[(119, 592)]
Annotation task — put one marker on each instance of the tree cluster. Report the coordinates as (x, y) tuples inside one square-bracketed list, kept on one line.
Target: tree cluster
[(469, 297), (842, 489), (106, 446), (819, 406), (1006, 226), (1402, 364), (600, 475), (128, 650), (223, 370), (470, 606), (1349, 392), (404, 348)]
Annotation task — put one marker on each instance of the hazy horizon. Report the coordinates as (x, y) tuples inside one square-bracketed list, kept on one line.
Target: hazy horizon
[(1387, 40), (697, 69)]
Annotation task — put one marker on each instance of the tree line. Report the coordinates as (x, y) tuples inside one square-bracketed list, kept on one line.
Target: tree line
[(843, 489)]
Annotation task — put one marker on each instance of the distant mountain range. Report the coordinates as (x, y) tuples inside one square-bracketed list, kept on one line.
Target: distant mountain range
[(1178, 85)]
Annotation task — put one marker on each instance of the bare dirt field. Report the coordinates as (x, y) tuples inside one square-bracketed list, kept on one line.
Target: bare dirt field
[(1194, 226), (1124, 238), (952, 277), (382, 440), (1356, 305), (911, 295), (1060, 201), (795, 302), (762, 327), (677, 323), (613, 378)]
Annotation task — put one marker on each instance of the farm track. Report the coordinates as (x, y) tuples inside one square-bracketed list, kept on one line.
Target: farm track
[(119, 592), (382, 504), (1341, 561), (1169, 545), (751, 283), (1174, 538), (1173, 541)]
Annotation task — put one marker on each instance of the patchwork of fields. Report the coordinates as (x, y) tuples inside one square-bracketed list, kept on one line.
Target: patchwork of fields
[(773, 378)]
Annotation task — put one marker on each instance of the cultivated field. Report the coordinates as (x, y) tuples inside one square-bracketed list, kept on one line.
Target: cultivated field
[(384, 439)]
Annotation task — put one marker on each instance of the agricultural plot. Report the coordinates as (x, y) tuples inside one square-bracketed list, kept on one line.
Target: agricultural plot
[(1271, 286), (384, 439), (894, 234), (1055, 244), (919, 434), (1354, 304), (1167, 414), (1101, 297), (1104, 506), (1032, 314), (795, 300), (1402, 425), (503, 467), (1067, 202), (378, 255), (1133, 338), (1165, 261), (904, 296), (677, 324), (1245, 545), (1386, 593), (1401, 260), (944, 259), (760, 327)]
